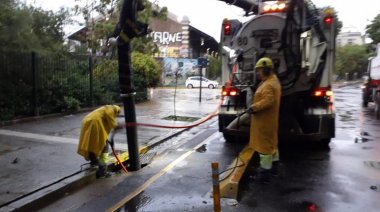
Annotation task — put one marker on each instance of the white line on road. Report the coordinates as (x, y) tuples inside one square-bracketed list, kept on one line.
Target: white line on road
[(49, 139)]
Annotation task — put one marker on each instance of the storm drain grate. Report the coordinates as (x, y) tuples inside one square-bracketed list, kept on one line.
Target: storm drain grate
[(147, 158)]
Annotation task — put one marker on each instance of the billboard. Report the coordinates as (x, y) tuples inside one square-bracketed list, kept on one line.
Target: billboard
[(171, 67)]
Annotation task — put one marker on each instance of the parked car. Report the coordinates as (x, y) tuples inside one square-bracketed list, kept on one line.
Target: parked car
[(193, 82)]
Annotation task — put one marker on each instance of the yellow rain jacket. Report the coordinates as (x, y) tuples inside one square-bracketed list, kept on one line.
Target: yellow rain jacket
[(264, 123), (95, 129)]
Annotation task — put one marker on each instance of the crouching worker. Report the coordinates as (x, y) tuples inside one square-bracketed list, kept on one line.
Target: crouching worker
[(93, 143), (264, 120)]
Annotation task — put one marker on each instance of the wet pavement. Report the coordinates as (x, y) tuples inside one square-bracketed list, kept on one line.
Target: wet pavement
[(39, 153), (345, 177)]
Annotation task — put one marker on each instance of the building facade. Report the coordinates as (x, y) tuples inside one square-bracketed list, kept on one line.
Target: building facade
[(178, 43), (178, 39), (349, 36)]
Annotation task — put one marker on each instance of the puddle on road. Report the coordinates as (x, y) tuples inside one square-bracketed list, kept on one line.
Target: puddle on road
[(373, 164), (202, 149)]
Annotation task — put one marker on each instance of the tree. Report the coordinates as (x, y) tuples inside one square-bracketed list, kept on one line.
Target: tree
[(30, 28), (373, 30), (214, 70), (351, 59), (146, 72), (101, 19)]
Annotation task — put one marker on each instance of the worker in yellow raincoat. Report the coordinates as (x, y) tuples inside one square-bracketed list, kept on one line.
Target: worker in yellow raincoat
[(264, 120), (93, 143)]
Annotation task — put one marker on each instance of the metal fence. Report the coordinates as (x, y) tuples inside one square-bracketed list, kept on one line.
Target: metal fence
[(32, 84)]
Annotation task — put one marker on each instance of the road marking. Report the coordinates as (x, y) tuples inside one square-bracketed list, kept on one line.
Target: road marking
[(49, 139), (158, 175)]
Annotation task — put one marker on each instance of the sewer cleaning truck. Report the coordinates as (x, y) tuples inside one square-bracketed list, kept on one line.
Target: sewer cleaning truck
[(371, 87), (300, 40)]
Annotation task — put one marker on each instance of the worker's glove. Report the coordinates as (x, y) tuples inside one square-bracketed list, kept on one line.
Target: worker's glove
[(250, 111)]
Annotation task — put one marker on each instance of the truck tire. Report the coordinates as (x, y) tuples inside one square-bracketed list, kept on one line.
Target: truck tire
[(377, 105), (229, 138), (365, 102), (324, 143)]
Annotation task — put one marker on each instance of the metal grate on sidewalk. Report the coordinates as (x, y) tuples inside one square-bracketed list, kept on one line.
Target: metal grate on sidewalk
[(145, 159)]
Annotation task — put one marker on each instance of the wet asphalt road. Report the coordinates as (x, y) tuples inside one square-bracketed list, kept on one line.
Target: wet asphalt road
[(312, 179), (341, 178)]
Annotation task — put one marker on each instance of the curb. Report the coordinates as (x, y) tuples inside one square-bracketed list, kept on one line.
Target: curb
[(34, 201), (72, 183)]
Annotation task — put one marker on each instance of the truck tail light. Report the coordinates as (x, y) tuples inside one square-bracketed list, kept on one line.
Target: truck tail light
[(328, 20), (318, 93), (231, 91), (323, 91), (329, 93), (227, 29)]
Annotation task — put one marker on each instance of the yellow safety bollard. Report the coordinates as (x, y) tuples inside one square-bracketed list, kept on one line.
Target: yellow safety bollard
[(216, 188)]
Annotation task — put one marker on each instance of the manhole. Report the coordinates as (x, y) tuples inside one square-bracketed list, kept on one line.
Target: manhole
[(181, 118)]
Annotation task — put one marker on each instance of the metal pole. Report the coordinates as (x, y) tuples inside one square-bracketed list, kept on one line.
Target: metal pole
[(127, 89), (200, 87), (35, 83), (91, 82), (216, 187)]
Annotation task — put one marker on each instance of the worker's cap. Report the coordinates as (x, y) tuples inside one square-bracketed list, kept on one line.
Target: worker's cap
[(264, 62)]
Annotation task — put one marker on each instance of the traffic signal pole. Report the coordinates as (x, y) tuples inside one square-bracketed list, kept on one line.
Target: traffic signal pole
[(200, 86), (127, 29), (202, 63)]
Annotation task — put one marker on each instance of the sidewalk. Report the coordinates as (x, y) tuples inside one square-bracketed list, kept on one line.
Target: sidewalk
[(36, 154)]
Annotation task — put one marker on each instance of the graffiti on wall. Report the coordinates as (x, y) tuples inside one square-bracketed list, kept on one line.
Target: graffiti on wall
[(166, 38), (170, 44), (171, 67)]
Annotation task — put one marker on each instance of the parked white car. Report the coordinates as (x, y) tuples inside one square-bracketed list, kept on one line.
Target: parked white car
[(194, 82)]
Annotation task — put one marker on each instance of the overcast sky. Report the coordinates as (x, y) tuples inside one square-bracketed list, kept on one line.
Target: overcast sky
[(207, 15)]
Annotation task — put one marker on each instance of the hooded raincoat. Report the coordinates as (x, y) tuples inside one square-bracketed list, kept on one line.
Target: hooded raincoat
[(264, 121), (95, 129)]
